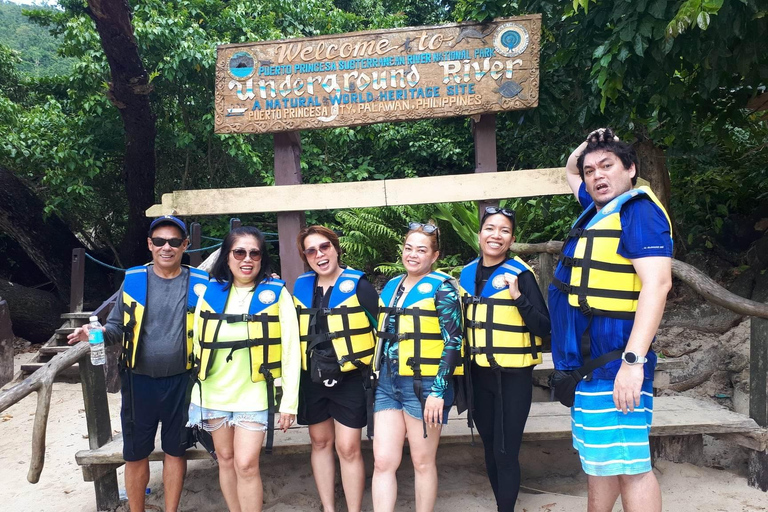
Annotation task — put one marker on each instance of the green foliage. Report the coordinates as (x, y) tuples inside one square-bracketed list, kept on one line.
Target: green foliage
[(36, 47)]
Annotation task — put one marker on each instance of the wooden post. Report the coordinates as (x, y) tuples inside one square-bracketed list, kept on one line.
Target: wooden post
[(234, 223), (6, 344), (78, 281), (288, 172), (547, 265), (484, 134), (758, 371), (195, 258), (99, 428)]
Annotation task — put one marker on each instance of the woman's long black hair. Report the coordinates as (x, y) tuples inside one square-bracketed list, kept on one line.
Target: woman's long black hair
[(221, 271)]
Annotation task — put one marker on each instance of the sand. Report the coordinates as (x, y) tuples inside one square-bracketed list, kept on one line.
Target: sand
[(552, 481)]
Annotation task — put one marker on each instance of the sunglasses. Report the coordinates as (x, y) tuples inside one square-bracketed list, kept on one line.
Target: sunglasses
[(493, 210), (159, 241), (240, 254), (323, 247), (427, 228)]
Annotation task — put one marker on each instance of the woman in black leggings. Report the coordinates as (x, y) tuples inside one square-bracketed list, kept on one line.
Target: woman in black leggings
[(505, 319)]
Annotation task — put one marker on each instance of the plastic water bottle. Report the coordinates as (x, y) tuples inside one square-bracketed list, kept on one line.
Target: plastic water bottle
[(96, 339)]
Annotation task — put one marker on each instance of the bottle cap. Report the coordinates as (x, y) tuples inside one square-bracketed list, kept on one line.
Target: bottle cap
[(94, 318)]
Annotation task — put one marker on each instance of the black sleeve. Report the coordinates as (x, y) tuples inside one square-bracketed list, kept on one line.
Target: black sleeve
[(531, 305), (369, 299), (114, 323)]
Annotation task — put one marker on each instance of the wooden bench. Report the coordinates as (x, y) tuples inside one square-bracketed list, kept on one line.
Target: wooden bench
[(678, 425)]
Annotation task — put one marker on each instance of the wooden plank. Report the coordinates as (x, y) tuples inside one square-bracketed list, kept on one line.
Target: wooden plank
[(663, 364), (79, 315), (360, 194), (385, 75), (673, 416)]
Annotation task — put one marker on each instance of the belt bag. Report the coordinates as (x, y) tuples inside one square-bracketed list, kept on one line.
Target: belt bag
[(563, 383), (324, 367)]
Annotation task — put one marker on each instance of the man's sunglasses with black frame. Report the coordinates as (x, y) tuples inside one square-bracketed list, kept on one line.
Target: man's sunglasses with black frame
[(323, 247), (240, 254), (159, 241)]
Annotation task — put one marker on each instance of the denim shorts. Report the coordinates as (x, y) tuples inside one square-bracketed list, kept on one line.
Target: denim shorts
[(394, 392), (211, 419)]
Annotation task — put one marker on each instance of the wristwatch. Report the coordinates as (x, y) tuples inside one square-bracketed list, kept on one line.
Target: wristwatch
[(630, 357)]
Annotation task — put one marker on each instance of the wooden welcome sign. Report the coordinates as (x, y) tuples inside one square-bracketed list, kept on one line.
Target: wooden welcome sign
[(378, 76)]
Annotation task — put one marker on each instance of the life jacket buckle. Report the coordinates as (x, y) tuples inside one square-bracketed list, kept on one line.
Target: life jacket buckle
[(326, 311), (584, 307), (576, 233), (476, 299), (567, 261)]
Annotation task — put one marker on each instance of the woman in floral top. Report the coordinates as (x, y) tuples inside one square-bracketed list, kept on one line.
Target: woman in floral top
[(418, 350)]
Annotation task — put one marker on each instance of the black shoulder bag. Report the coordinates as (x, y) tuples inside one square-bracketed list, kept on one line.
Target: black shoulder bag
[(563, 383)]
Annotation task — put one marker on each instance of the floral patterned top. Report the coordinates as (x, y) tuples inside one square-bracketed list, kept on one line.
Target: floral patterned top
[(449, 315)]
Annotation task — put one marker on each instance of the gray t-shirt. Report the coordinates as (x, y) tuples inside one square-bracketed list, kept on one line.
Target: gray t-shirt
[(162, 341)]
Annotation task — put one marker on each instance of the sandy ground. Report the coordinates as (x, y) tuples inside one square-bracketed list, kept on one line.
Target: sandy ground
[(552, 481)]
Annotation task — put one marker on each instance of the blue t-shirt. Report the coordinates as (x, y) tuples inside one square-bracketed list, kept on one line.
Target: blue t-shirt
[(645, 233)]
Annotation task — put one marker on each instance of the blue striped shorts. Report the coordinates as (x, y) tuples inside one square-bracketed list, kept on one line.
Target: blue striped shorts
[(610, 442)]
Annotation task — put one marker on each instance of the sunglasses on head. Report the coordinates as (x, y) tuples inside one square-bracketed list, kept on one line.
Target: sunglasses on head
[(323, 247), (427, 228), (159, 241), (493, 210), (240, 254)]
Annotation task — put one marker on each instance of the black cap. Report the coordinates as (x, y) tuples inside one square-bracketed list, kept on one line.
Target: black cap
[(171, 221)]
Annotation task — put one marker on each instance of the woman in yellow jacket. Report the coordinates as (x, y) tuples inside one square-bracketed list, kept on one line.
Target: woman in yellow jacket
[(419, 347), (505, 319), (246, 336)]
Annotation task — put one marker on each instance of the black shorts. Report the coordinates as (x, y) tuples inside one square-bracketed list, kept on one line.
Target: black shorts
[(155, 400), (345, 402)]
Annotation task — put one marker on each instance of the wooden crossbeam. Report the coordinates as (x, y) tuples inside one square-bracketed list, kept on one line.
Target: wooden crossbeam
[(331, 196)]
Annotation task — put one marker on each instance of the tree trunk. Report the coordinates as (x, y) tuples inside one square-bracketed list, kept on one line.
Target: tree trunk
[(129, 91), (48, 242), (653, 167), (35, 314)]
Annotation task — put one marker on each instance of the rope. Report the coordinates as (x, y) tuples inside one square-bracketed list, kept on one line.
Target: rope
[(211, 238), (103, 264), (205, 248)]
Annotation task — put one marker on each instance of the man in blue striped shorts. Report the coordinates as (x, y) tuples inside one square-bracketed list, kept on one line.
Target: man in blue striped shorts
[(610, 288)]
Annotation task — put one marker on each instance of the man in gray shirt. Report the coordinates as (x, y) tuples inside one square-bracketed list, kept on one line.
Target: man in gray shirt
[(152, 321)]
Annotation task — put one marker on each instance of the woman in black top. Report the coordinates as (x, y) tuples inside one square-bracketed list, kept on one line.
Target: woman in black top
[(332, 399), (505, 319)]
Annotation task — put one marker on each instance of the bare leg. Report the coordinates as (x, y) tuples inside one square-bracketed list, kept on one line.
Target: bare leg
[(640, 493), (223, 441), (174, 469), (388, 444), (136, 480), (603, 491), (323, 462), (352, 466), (250, 492), (423, 453)]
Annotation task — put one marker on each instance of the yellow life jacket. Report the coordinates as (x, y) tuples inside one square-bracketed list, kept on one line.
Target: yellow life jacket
[(495, 331), (603, 282), (135, 303), (263, 324), (350, 329), (420, 341)]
